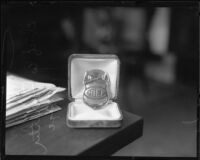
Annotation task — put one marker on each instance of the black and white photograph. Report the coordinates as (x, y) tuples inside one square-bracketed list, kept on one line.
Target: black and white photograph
[(99, 80)]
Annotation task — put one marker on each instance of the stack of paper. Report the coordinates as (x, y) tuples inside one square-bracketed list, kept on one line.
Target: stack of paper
[(27, 99)]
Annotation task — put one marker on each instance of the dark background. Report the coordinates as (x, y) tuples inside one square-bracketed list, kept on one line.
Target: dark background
[(157, 47)]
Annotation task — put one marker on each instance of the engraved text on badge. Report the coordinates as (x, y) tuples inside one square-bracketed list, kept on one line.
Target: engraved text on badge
[(96, 93)]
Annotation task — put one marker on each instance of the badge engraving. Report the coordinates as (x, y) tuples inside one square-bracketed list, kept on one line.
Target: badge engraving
[(96, 93)]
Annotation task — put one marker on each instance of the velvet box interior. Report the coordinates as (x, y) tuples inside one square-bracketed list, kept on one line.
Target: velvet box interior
[(79, 114)]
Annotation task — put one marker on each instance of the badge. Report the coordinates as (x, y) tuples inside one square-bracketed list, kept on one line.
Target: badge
[(97, 85)]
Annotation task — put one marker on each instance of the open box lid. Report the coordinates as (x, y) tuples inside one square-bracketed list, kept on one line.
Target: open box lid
[(78, 64)]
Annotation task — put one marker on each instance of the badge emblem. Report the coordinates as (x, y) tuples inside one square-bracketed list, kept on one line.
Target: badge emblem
[(96, 93)]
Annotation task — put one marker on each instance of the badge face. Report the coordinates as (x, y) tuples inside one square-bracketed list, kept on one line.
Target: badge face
[(96, 88)]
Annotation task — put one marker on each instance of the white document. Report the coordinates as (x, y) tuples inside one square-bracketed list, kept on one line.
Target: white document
[(24, 95)]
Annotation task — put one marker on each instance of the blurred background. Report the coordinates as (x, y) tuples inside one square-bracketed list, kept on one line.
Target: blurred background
[(157, 47)]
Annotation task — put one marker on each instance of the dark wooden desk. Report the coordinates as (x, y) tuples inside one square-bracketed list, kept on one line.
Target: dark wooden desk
[(49, 135)]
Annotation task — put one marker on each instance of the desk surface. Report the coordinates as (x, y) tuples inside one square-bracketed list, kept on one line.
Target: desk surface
[(49, 135)]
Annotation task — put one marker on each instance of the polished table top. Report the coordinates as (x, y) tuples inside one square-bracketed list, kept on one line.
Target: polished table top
[(49, 135)]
